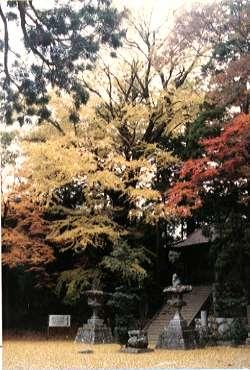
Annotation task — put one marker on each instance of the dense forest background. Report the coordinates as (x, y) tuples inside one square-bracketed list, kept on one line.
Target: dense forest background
[(122, 140)]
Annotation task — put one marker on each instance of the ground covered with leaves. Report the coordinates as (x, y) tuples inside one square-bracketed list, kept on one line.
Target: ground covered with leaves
[(57, 354)]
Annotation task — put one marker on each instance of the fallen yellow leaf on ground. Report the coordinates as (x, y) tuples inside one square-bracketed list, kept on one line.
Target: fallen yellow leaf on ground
[(25, 354)]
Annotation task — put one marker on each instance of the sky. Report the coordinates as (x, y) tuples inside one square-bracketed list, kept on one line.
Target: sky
[(160, 8), (159, 14)]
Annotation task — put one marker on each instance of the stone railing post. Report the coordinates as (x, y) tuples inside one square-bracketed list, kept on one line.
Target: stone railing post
[(204, 319)]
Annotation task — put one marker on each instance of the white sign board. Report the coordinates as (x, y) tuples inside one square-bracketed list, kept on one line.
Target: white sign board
[(56, 321)]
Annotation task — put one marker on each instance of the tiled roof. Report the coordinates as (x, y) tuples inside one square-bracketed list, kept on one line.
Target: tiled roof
[(196, 237)]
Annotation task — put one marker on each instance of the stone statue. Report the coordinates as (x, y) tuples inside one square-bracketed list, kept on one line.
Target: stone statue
[(137, 339), (176, 280), (173, 256), (137, 342)]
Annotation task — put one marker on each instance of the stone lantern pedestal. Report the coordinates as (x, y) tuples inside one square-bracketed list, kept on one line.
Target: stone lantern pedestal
[(95, 331)]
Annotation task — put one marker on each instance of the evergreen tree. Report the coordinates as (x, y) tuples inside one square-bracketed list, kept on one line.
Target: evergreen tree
[(61, 42)]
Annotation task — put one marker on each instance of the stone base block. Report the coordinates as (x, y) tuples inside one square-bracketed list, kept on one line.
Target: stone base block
[(94, 334), (177, 335), (136, 350)]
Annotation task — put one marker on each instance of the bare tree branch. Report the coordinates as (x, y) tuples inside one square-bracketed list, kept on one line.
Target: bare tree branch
[(22, 12), (109, 92), (6, 49), (56, 125), (179, 81), (90, 88)]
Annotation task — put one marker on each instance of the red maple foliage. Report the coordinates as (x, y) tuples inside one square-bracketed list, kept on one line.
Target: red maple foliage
[(226, 163), (23, 234)]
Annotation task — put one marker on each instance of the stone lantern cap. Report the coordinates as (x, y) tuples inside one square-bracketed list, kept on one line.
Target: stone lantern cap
[(95, 292), (98, 294), (179, 289)]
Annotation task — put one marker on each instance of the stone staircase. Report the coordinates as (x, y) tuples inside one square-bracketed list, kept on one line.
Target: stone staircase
[(194, 300)]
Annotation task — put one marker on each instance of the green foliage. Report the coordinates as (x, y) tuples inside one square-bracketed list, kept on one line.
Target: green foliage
[(206, 125), (79, 232), (124, 302), (231, 298), (8, 156), (126, 262), (237, 331), (64, 41), (7, 138), (231, 257), (71, 284)]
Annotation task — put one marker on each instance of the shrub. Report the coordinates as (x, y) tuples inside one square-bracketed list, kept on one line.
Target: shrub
[(237, 331)]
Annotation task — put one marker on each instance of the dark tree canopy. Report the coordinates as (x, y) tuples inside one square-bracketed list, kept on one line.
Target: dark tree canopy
[(60, 43)]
